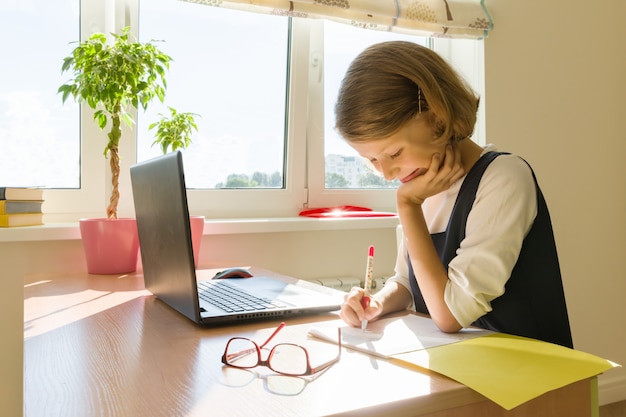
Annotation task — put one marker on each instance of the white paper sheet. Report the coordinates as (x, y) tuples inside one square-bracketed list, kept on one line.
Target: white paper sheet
[(394, 335)]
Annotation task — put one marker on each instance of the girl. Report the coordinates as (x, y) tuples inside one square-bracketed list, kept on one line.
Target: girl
[(478, 246)]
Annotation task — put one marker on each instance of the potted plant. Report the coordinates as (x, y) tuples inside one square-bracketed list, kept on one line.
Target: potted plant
[(174, 131), (112, 78)]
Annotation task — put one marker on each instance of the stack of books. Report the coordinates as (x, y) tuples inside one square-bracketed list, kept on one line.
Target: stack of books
[(20, 206)]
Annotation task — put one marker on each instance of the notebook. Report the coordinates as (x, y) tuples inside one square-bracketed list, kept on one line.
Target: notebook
[(162, 214)]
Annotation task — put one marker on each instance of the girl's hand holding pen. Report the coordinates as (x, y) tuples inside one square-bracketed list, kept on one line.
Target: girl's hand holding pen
[(352, 311)]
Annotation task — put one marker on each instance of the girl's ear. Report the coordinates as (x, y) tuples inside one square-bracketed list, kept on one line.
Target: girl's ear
[(435, 123), (437, 127)]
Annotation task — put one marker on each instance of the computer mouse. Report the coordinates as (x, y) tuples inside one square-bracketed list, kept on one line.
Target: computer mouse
[(233, 273)]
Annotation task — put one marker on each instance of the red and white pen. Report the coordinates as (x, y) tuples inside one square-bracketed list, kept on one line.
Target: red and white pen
[(367, 286)]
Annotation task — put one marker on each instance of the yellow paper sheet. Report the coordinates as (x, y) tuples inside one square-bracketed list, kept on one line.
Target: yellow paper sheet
[(508, 370)]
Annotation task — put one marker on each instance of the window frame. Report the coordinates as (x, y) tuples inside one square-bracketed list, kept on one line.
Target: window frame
[(63, 205), (304, 156)]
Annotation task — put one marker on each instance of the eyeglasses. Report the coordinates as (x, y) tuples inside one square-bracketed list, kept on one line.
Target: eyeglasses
[(284, 358)]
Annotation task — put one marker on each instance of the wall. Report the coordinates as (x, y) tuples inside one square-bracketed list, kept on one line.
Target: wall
[(309, 255), (555, 88)]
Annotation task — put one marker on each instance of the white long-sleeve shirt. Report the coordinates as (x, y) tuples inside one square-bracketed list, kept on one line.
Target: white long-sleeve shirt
[(501, 216)]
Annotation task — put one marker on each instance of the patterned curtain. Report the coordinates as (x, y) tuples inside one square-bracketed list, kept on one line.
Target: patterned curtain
[(439, 18)]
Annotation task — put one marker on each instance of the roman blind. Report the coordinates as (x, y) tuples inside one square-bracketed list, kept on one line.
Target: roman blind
[(437, 18)]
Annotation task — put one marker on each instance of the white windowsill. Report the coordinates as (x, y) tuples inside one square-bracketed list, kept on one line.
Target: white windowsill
[(70, 231)]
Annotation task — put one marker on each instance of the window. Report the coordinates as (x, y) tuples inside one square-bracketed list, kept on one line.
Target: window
[(235, 79), (345, 176), (264, 87), (39, 137)]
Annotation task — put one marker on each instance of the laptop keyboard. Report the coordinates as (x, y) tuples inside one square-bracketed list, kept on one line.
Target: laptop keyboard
[(232, 299)]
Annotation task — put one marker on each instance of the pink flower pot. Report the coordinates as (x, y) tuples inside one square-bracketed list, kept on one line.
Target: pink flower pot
[(111, 245)]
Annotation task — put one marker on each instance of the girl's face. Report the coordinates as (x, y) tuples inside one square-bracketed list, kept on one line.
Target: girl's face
[(406, 154)]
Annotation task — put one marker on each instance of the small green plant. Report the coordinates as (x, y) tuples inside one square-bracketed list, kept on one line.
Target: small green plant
[(111, 79), (174, 131)]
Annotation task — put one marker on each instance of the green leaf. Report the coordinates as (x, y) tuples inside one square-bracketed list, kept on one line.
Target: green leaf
[(101, 118)]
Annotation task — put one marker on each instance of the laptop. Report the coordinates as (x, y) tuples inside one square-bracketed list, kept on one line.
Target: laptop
[(162, 214)]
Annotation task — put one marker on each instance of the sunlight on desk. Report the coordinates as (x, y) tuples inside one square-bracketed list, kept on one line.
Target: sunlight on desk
[(72, 300)]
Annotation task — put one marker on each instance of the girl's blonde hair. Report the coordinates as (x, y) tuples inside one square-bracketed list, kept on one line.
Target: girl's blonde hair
[(391, 82)]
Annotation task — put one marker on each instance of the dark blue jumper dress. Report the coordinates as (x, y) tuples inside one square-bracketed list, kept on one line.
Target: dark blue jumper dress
[(533, 304)]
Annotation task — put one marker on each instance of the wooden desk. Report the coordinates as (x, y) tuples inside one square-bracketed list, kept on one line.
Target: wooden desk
[(103, 346)]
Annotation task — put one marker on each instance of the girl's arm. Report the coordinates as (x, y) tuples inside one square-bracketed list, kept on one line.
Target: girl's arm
[(430, 273)]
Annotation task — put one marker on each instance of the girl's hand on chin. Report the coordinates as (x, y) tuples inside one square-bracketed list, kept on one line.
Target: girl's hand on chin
[(441, 174)]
